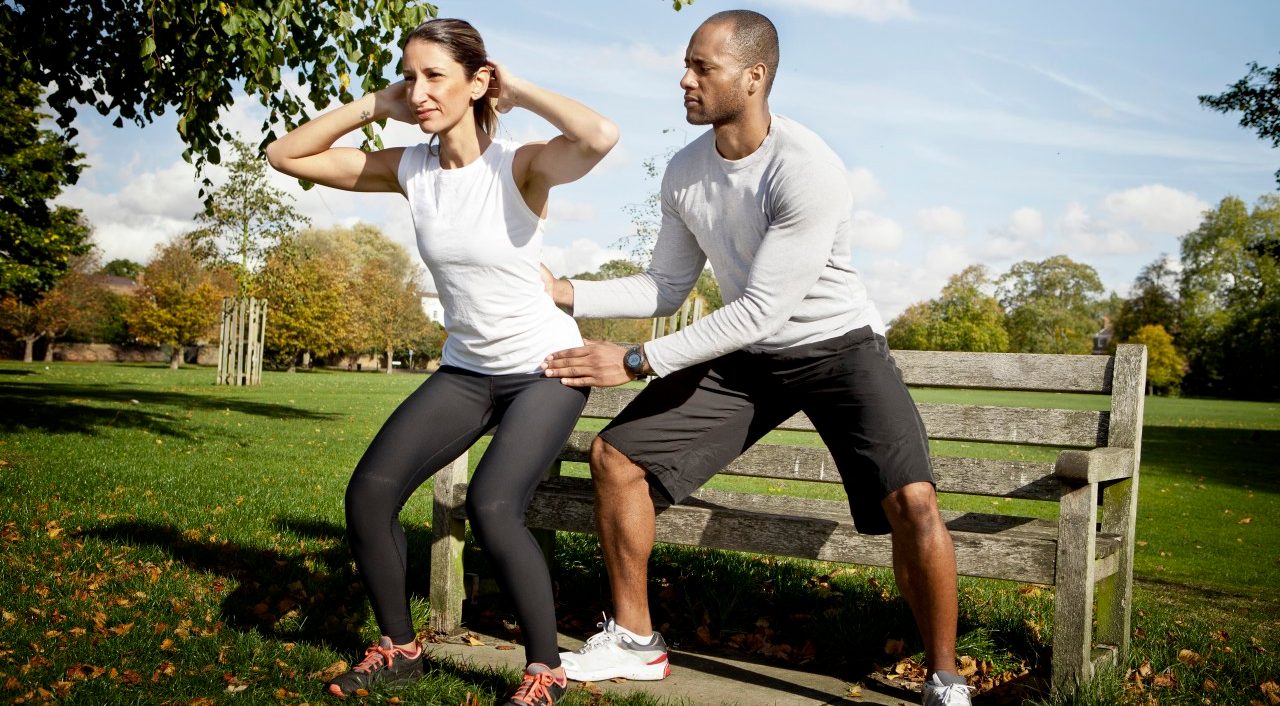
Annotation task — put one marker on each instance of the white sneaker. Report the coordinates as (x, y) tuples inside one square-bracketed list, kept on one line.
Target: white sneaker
[(612, 654), (938, 694)]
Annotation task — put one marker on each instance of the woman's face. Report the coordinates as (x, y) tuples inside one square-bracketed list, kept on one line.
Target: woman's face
[(439, 91)]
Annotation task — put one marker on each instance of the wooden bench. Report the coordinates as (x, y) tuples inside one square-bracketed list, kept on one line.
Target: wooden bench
[(1084, 559)]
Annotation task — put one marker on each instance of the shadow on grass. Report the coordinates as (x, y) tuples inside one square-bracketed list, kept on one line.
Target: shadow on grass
[(1230, 457), (66, 408), (303, 595), (13, 372)]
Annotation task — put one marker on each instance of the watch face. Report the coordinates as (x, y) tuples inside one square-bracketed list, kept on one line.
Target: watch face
[(633, 360)]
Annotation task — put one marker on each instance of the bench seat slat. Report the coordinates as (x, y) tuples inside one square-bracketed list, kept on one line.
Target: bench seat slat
[(1006, 371), (991, 546), (972, 476)]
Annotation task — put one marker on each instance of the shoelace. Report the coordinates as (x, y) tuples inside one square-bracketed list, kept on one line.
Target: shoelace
[(602, 638), (374, 656), (953, 691), (534, 688)]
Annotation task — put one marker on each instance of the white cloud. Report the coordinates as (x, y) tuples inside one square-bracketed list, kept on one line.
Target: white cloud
[(941, 220), (1089, 236), (895, 284), (1157, 208), (873, 10), (864, 186), (1016, 237), (875, 232), (582, 256)]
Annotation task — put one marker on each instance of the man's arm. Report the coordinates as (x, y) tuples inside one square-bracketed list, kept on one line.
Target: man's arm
[(788, 263)]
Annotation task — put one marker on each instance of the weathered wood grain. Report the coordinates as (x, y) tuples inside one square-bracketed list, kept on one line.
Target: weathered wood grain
[(992, 546), (1005, 371), (448, 533), (954, 474), (1095, 465), (1074, 584)]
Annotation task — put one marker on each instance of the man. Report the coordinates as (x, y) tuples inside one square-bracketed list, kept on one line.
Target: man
[(767, 202)]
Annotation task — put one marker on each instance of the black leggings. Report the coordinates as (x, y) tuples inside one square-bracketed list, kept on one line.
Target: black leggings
[(435, 425)]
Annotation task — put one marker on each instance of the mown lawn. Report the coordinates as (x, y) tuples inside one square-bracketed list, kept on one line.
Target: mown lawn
[(165, 540)]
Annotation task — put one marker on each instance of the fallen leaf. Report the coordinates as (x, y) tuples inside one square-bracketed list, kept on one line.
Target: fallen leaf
[(504, 647), (474, 641), (330, 672), (1243, 521), (1188, 657)]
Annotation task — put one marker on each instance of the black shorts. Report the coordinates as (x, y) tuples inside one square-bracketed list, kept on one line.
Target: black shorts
[(685, 427)]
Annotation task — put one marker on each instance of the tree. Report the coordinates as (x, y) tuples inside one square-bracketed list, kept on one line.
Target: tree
[(1050, 305), (75, 302), (617, 330), (963, 318), (382, 304), (390, 310), (1257, 98), (138, 60), (22, 321), (243, 217), (307, 293), (1230, 300), (37, 240), (180, 300), (1153, 300), (1165, 365), (122, 267)]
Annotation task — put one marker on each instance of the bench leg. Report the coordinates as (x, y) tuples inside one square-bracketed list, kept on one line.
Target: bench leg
[(1073, 605), (546, 538), (448, 535), (1115, 593)]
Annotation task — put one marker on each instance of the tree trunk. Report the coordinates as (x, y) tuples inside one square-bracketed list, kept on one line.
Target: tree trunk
[(293, 364), (306, 360), (388, 360), (48, 351), (29, 349), (175, 360)]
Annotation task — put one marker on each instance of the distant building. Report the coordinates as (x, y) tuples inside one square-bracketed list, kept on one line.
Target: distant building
[(1102, 339), (119, 285), (432, 307)]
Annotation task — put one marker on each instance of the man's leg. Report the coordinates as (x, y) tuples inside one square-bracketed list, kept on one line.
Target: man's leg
[(625, 520), (924, 564)]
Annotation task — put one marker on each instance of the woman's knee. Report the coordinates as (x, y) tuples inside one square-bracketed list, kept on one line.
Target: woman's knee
[(612, 467)]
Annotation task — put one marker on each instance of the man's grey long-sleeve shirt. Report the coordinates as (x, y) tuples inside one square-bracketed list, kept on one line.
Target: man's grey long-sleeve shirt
[(776, 226)]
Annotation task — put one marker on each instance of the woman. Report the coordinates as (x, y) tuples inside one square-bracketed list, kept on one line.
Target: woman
[(478, 205)]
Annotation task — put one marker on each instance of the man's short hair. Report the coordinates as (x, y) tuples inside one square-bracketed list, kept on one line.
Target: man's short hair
[(754, 40)]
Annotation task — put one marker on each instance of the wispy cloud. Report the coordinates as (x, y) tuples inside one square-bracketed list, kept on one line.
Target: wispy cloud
[(871, 10)]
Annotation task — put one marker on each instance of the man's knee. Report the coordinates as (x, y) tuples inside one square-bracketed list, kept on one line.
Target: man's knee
[(611, 466), (913, 508)]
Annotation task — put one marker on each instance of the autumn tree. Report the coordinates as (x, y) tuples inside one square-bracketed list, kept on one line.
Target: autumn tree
[(76, 302), (1257, 98), (37, 239), (1230, 300), (308, 296), (963, 318), (180, 300), (139, 60), (22, 321), (389, 309), (123, 267), (1050, 305), (1165, 365)]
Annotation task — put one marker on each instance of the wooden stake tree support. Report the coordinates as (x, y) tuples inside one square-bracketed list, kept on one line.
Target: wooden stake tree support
[(244, 327), (689, 312)]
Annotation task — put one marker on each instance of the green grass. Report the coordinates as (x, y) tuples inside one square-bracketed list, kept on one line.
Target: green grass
[(189, 537)]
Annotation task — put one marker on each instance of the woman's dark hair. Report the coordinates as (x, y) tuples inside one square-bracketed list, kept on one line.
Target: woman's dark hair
[(464, 44)]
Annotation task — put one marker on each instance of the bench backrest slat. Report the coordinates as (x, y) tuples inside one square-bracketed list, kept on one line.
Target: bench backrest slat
[(1006, 371), (972, 476)]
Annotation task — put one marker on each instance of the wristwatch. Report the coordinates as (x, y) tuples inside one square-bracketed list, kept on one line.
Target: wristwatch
[(633, 360)]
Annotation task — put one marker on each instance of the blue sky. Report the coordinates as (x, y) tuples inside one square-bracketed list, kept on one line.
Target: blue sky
[(977, 132)]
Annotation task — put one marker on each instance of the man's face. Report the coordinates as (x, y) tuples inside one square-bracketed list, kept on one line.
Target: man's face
[(715, 85)]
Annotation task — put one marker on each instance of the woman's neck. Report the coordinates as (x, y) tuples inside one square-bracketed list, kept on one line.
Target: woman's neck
[(462, 144)]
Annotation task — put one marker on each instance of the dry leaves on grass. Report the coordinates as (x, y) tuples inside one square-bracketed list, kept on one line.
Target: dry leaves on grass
[(330, 672)]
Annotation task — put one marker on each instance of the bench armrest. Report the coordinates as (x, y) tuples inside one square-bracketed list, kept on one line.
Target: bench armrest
[(1095, 465)]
